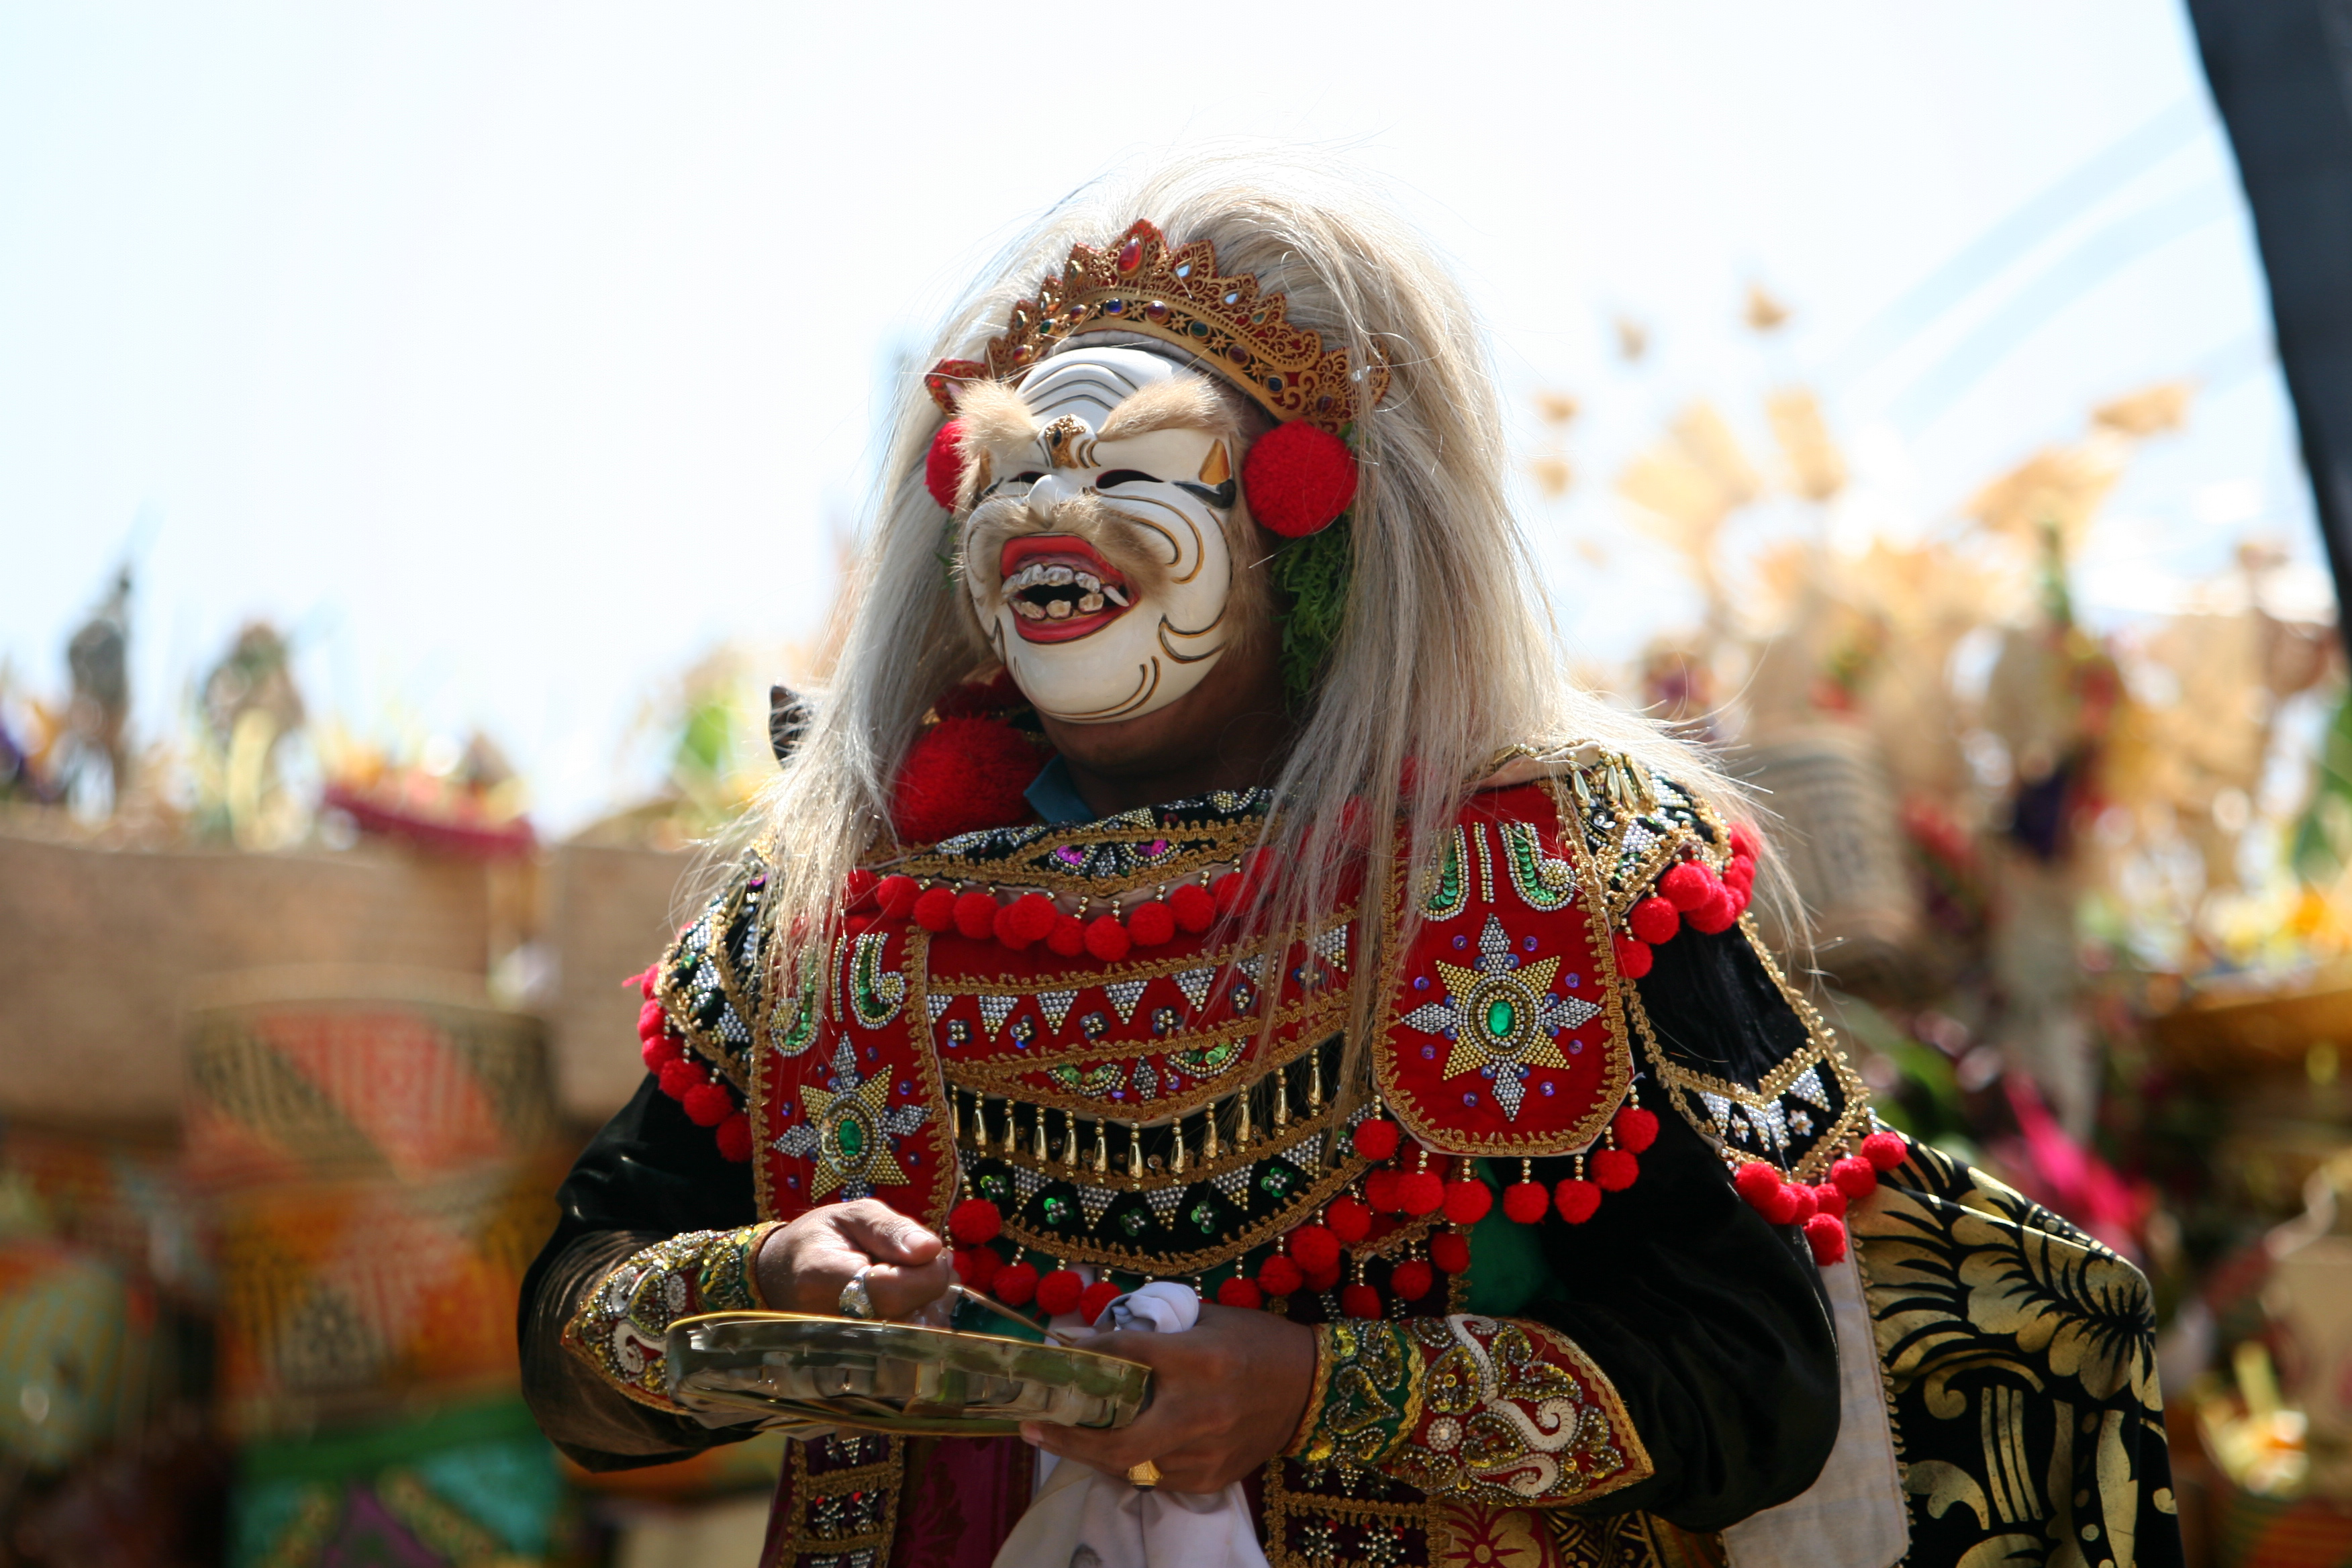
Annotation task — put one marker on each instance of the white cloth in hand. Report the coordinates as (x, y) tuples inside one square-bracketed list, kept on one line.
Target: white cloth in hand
[(1083, 1518)]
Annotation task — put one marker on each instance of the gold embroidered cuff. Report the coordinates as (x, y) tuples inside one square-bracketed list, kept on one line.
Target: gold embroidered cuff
[(622, 1326), (1500, 1410)]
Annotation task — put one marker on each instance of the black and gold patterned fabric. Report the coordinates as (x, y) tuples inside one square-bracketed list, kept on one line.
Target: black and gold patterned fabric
[(2021, 1363)]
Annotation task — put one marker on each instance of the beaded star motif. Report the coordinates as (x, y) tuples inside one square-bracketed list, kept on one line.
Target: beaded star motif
[(1500, 1016)]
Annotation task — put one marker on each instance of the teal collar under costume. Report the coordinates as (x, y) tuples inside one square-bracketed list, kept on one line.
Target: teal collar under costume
[(1055, 797)]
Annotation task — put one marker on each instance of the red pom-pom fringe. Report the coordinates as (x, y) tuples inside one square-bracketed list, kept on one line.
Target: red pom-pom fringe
[(1578, 1201), (1151, 924), (1450, 1251), (1686, 886), (1361, 1302), (1613, 1170), (1411, 1280), (1716, 914), (1634, 958), (1826, 1237), (1298, 478), (975, 1221), (659, 1052), (1099, 1294), (1829, 1200), (978, 1266), (896, 896), (1885, 1150), (1854, 1176), (1468, 1203), (1316, 1246), (934, 909), (1377, 1139), (734, 1139), (1636, 1129), (708, 1104), (1654, 920), (1069, 937), (975, 914), (1106, 938), (1194, 909), (1756, 1182), (1525, 1202), (1280, 1276), (1015, 1283), (1420, 1193), (1239, 1292), (1381, 1189), (944, 464), (960, 775), (1059, 1291), (1349, 1221)]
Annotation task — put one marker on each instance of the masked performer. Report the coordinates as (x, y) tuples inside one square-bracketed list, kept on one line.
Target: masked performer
[(1201, 873)]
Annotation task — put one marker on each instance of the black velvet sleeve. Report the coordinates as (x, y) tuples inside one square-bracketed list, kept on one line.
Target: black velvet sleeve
[(650, 1174), (1710, 1321)]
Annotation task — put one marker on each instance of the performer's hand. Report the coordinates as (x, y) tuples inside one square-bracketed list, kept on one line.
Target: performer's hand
[(802, 1266), (1226, 1397)]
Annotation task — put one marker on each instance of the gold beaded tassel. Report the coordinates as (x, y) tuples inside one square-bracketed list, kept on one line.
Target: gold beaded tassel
[(1176, 1158)]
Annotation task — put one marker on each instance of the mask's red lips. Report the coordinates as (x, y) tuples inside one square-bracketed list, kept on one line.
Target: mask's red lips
[(1059, 588)]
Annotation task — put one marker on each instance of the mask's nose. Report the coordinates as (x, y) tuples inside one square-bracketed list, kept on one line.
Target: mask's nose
[(1057, 487)]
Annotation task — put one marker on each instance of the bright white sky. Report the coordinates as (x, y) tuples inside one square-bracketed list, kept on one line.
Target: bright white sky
[(515, 356)]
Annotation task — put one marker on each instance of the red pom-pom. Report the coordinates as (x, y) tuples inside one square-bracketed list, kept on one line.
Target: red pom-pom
[(1239, 1292), (1613, 1170), (651, 1020), (1525, 1202), (1807, 1206), (1829, 1200), (857, 886), (1756, 1182), (1716, 914), (1885, 1150), (1299, 478), (1280, 1276), (1316, 1248), (1782, 1208), (1194, 909), (1349, 1221), (1009, 929), (975, 914), (1034, 915), (944, 464), (960, 775), (659, 1052), (1152, 923), (1099, 1294), (897, 895), (680, 1077), (1069, 937), (978, 1265), (1106, 938), (1686, 886), (1577, 1200), (708, 1104), (1381, 1189), (1376, 1139), (1359, 1302), (734, 1138), (1059, 1291), (1015, 1283), (1226, 892), (1468, 1203), (1654, 920), (1411, 1280), (1322, 1279), (975, 1221), (1634, 958), (1450, 1251), (1636, 1129), (934, 909), (1854, 1176), (1744, 842), (1421, 1193), (645, 981), (1826, 1237), (1740, 875), (1740, 896)]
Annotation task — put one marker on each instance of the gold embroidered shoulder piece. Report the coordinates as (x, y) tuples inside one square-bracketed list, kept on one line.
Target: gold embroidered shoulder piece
[(621, 1328)]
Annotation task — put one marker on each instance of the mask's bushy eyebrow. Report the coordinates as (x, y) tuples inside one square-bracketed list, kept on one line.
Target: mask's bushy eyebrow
[(1186, 403)]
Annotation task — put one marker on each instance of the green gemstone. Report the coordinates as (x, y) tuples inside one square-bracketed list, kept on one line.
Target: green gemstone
[(994, 1188), (1275, 1179), (1057, 1210), (1204, 1216), (851, 1137), (1501, 1018), (1134, 1221)]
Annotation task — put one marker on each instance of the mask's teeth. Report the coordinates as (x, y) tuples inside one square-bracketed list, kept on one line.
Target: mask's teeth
[(1027, 611), (1115, 596), (1089, 602), (1089, 582), (1058, 609), (1058, 576)]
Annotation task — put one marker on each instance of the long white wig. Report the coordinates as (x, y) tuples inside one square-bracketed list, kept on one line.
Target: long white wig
[(1448, 655)]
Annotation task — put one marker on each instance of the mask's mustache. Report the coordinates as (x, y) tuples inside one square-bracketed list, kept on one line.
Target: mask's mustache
[(1133, 546)]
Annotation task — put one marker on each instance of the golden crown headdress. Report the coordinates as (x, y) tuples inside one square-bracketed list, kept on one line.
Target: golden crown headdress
[(1175, 294)]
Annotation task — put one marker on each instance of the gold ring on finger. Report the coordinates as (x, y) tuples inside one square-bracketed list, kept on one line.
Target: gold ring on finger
[(1146, 1474)]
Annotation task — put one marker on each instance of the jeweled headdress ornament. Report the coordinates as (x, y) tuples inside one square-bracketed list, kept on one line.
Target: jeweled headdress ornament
[(1175, 294)]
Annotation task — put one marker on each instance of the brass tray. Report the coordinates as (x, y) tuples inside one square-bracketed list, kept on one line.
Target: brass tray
[(805, 1372)]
